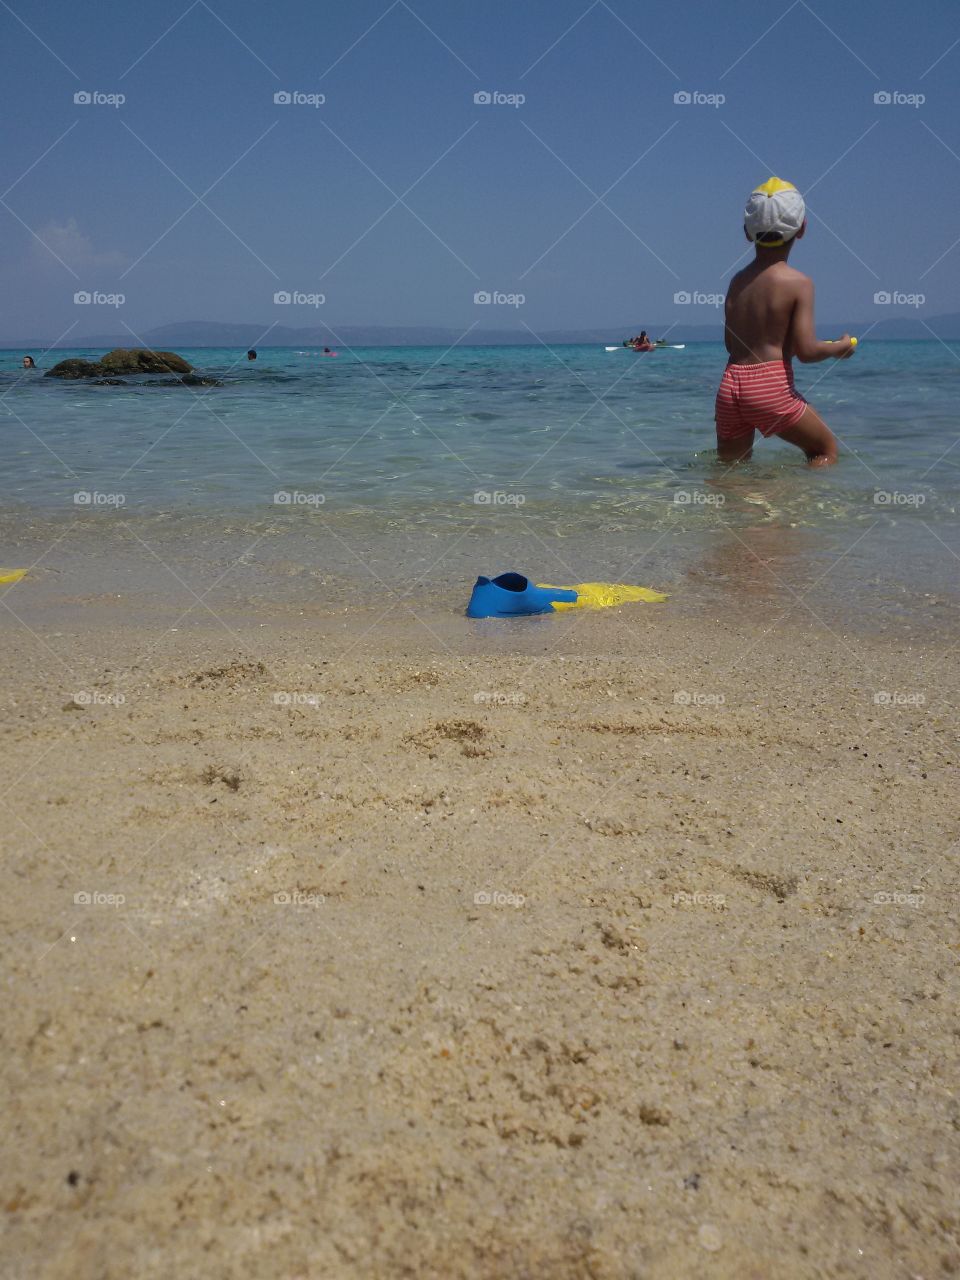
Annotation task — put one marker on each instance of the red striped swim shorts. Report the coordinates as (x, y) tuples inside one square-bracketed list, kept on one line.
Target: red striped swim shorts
[(757, 397)]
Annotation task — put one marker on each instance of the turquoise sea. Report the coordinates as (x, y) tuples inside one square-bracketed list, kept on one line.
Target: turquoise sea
[(413, 469)]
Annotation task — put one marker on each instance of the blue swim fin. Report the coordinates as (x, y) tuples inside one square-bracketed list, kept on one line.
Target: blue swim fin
[(512, 595)]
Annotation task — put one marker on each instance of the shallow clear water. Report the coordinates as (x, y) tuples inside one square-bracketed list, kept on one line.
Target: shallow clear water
[(572, 460)]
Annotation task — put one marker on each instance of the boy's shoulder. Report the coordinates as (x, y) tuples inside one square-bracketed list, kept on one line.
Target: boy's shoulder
[(782, 272), (797, 286), (798, 277)]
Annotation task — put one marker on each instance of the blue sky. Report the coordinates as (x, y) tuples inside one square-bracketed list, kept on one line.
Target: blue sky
[(505, 196)]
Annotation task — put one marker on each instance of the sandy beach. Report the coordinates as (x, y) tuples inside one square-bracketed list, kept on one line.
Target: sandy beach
[(605, 946), (344, 936)]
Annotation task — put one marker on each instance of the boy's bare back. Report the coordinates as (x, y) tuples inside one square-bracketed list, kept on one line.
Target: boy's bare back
[(762, 304)]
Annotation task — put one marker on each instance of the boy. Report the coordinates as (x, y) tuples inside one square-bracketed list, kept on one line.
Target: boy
[(768, 320)]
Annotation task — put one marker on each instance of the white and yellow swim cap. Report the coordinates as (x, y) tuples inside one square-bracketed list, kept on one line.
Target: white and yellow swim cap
[(775, 211)]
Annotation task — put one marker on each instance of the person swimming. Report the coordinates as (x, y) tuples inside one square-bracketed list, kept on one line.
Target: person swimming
[(29, 362), (769, 319), (251, 354)]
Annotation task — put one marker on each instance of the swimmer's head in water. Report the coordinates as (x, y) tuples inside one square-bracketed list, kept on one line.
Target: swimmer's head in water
[(775, 214), (251, 354), (28, 362)]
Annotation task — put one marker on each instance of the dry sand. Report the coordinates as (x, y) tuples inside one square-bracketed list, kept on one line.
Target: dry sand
[(287, 1037)]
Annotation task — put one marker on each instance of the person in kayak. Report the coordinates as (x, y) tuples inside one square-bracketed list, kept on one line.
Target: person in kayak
[(643, 343), (768, 318)]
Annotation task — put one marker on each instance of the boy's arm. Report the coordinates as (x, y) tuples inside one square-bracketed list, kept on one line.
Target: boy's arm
[(806, 347)]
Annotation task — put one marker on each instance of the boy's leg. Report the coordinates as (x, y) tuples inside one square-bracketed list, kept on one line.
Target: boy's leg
[(735, 449), (811, 434)]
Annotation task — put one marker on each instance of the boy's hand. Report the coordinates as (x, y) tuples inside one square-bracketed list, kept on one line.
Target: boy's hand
[(844, 347)]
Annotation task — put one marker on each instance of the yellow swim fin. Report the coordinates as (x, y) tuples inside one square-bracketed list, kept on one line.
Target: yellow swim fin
[(604, 595), (11, 575)]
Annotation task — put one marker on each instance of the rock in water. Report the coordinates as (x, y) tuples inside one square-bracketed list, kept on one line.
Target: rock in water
[(74, 369), (122, 360), (143, 360)]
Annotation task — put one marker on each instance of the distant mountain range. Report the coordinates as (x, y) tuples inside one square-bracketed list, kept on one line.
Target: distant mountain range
[(212, 333)]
